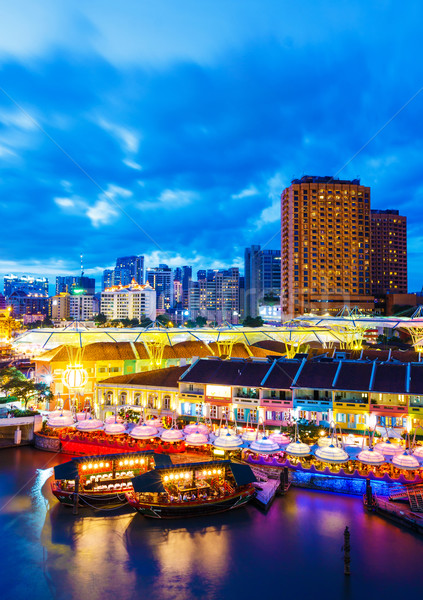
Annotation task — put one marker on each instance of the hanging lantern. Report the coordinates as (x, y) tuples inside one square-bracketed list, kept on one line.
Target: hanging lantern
[(75, 377)]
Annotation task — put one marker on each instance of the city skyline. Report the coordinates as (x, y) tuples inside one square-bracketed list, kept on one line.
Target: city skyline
[(197, 116)]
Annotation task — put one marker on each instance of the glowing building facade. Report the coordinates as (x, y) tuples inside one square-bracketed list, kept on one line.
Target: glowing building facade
[(133, 301)]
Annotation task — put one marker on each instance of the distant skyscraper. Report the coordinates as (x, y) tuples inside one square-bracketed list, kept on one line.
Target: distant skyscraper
[(108, 278), (65, 285), (216, 296), (129, 268), (25, 283), (133, 301), (24, 303), (262, 277), (325, 246), (161, 279), (389, 252)]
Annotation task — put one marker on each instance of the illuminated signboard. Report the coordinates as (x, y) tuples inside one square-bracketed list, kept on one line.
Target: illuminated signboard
[(218, 391)]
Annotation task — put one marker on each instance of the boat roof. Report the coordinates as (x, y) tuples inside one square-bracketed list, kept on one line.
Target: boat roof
[(69, 469), (151, 482)]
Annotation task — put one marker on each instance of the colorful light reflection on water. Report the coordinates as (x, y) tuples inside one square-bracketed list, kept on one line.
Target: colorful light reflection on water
[(293, 551)]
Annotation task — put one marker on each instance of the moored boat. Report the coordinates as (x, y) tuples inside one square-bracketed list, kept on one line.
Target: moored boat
[(192, 489), (102, 480)]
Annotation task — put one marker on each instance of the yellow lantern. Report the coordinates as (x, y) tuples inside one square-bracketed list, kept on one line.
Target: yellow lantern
[(75, 377)]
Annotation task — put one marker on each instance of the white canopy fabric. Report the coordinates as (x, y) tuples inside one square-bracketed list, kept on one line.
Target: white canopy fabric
[(60, 413), (264, 445), (418, 452), (114, 428), (249, 434), (155, 423), (143, 432), (196, 438), (332, 454), (371, 457), (406, 461), (323, 442), (90, 425), (60, 421), (197, 428), (112, 419), (172, 435), (388, 448), (298, 449), (280, 438), (227, 441)]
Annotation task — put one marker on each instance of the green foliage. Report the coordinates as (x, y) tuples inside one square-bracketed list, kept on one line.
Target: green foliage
[(23, 413), (253, 322), (100, 319), (14, 383), (190, 324), (201, 321)]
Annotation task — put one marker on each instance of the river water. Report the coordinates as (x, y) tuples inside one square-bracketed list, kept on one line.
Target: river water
[(294, 551)]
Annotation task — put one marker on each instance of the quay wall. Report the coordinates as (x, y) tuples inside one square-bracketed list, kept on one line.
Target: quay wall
[(332, 483)]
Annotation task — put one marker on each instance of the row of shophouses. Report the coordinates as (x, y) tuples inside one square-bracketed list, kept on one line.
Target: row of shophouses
[(355, 394)]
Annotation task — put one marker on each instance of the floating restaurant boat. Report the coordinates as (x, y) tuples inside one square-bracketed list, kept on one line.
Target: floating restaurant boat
[(103, 480), (193, 489)]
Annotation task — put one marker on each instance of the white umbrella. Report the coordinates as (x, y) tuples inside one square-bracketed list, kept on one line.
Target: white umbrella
[(298, 449), (388, 448), (371, 457), (172, 435), (114, 428), (196, 428), (60, 421), (90, 425), (143, 432), (280, 438), (332, 454), (418, 452), (406, 461), (265, 445), (249, 434), (196, 438), (227, 441)]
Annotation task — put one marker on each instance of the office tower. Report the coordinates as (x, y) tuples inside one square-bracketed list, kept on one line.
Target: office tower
[(129, 268), (262, 278), (161, 279), (388, 252), (3, 303), (201, 274), (65, 285), (26, 283), (108, 279), (182, 275), (82, 307), (27, 303), (59, 306), (133, 301), (325, 246), (216, 296)]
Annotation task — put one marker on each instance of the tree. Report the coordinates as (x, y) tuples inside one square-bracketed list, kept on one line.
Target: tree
[(22, 389), (145, 322), (163, 320), (253, 322), (190, 324), (100, 319), (201, 321)]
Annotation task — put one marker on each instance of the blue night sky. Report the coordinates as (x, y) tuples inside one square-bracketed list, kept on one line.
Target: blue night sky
[(187, 119)]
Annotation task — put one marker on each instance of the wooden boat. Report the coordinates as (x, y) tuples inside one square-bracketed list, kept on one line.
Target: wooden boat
[(192, 489), (102, 480)]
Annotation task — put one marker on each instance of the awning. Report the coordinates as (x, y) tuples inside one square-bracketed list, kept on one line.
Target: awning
[(67, 470), (150, 482), (243, 474)]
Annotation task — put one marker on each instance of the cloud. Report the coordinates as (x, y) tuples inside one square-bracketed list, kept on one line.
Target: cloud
[(132, 164), (169, 199), (250, 191), (127, 138), (64, 202)]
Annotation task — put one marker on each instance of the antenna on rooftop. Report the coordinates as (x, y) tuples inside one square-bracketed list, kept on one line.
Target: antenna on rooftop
[(82, 265)]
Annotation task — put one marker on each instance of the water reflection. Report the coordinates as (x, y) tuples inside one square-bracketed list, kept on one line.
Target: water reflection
[(294, 550)]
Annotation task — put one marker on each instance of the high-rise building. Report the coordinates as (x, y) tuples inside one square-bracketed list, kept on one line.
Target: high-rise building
[(82, 307), (216, 296), (388, 252), (24, 303), (129, 268), (25, 283), (65, 285), (325, 253), (262, 278), (133, 301), (161, 279), (108, 278), (59, 306)]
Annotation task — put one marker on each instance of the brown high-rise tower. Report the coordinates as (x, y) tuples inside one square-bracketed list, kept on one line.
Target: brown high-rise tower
[(389, 252), (325, 251)]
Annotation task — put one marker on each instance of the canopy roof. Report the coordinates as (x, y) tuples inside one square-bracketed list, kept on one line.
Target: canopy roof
[(332, 454), (227, 441), (298, 448), (114, 428), (151, 482), (264, 445), (60, 421), (172, 435), (371, 457), (388, 448), (143, 431), (196, 438), (418, 452), (280, 438), (69, 469), (196, 428), (90, 425), (406, 461)]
